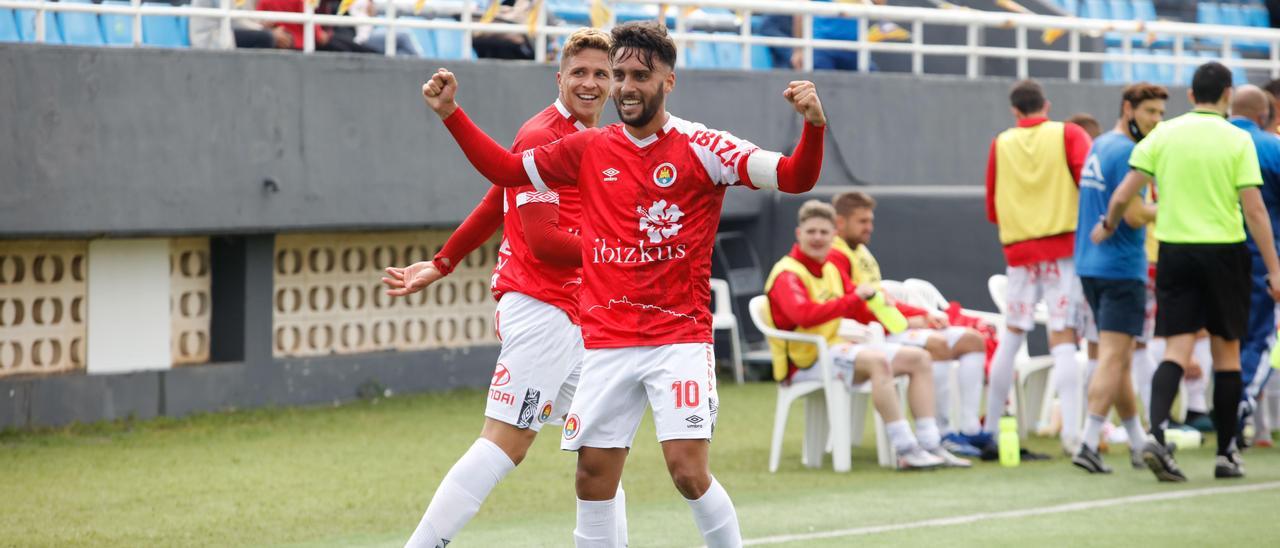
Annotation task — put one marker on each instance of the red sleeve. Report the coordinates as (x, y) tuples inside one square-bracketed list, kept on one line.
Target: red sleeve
[(910, 311), (991, 183), (1077, 143), (798, 172), (483, 221), (791, 299), (549, 244), (554, 163)]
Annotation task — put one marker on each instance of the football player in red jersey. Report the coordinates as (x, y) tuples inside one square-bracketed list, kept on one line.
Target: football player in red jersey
[(536, 284), (653, 185)]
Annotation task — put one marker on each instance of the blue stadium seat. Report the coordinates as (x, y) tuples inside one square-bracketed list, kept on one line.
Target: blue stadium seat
[(81, 29), (1145, 71), (166, 31), (1070, 7), (426, 38), (1256, 16), (760, 58), (1113, 71), (729, 56), (574, 12), (1232, 15), (1121, 9), (1164, 72), (700, 55), (26, 20), (1095, 9), (449, 45), (8, 26), (1208, 14), (117, 30), (1144, 10)]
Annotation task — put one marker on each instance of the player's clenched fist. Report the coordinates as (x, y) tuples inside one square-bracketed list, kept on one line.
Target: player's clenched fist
[(439, 93), (803, 95)]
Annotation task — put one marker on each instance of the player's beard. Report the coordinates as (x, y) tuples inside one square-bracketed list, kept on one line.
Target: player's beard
[(646, 115)]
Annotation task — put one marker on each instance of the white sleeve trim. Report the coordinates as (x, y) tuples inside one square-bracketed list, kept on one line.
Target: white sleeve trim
[(545, 197), (762, 168), (531, 169)]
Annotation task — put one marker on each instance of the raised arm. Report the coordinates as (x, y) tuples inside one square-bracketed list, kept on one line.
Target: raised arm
[(799, 172)]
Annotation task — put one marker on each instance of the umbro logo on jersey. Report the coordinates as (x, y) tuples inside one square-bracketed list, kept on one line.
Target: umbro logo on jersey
[(610, 175)]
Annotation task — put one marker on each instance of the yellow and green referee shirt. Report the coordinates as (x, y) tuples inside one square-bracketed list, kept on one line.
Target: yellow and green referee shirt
[(1200, 162)]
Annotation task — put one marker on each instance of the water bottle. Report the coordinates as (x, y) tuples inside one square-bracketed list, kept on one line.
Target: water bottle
[(1010, 452), (888, 316)]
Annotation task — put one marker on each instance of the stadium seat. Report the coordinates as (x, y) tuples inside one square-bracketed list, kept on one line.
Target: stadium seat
[(700, 55), (728, 56), (760, 58), (81, 29), (833, 417), (449, 45), (166, 31), (1145, 71), (1120, 9), (1256, 16), (573, 12), (722, 319), (426, 37), (26, 20), (1144, 10), (1164, 71), (8, 26), (117, 30), (1113, 71), (1095, 9)]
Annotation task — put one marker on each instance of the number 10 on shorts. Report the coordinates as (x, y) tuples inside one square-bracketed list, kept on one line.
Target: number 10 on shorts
[(686, 393)]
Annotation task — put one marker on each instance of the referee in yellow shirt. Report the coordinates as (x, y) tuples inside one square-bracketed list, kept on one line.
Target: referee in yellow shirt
[(1205, 169)]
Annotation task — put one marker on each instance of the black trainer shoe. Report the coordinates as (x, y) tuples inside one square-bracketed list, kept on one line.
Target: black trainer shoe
[(1228, 466), (1090, 461), (1160, 460)]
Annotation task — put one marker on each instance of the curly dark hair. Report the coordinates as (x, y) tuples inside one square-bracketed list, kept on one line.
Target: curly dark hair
[(646, 40)]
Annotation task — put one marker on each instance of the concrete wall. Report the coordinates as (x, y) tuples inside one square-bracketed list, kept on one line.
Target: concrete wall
[(189, 137)]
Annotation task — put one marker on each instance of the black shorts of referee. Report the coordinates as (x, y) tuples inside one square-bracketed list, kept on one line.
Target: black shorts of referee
[(1203, 286)]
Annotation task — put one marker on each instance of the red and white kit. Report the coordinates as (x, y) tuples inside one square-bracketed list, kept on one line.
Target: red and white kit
[(1053, 281), (538, 367), (646, 252)]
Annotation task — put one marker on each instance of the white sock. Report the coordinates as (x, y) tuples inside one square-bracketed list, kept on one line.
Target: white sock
[(620, 504), (1202, 354), (942, 394), (716, 518), (1093, 431), (970, 374), (1001, 377), (1089, 367), (597, 524), (1141, 369), (1196, 389), (900, 436), (927, 433), (461, 493), (1070, 397), (1133, 427)]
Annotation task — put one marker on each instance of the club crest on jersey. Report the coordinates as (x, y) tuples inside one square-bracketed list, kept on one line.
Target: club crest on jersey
[(501, 376), (546, 412), (571, 427), (664, 175)]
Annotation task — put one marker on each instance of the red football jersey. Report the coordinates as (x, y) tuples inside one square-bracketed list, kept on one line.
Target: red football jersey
[(517, 269), (651, 210)]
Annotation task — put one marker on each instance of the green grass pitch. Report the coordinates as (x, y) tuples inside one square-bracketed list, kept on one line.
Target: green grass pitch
[(361, 475)]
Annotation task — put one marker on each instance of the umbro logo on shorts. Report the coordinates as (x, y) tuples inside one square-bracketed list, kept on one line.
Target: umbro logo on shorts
[(695, 422), (531, 398)]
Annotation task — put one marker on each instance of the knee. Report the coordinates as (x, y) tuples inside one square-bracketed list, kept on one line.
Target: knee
[(874, 363), (691, 480), (912, 360), (970, 341)]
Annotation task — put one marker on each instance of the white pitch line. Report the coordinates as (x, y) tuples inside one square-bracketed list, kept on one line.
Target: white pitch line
[(1029, 512)]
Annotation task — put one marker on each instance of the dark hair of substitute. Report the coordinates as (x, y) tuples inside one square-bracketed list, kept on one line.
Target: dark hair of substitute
[(1210, 81), (645, 39), (1027, 96), (1135, 94)]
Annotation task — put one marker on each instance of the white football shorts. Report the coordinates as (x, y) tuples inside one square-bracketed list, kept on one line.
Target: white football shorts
[(677, 380), (538, 367), (1055, 282)]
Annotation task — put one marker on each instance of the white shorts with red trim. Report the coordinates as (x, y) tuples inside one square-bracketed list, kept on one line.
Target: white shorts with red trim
[(538, 367), (678, 381), (842, 357), (920, 337), (1054, 282)]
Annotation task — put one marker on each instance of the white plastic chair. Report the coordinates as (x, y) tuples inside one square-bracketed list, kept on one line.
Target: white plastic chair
[(722, 318), (834, 418)]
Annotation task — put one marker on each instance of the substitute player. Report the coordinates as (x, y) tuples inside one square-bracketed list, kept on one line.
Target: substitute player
[(653, 186), (946, 344), (1032, 175), (536, 284), (1206, 173), (1113, 274)]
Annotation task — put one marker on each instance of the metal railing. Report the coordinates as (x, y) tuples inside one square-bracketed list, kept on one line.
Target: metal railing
[(912, 18)]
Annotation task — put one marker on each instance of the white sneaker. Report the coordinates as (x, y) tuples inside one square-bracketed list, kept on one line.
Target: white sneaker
[(918, 459), (949, 460)]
